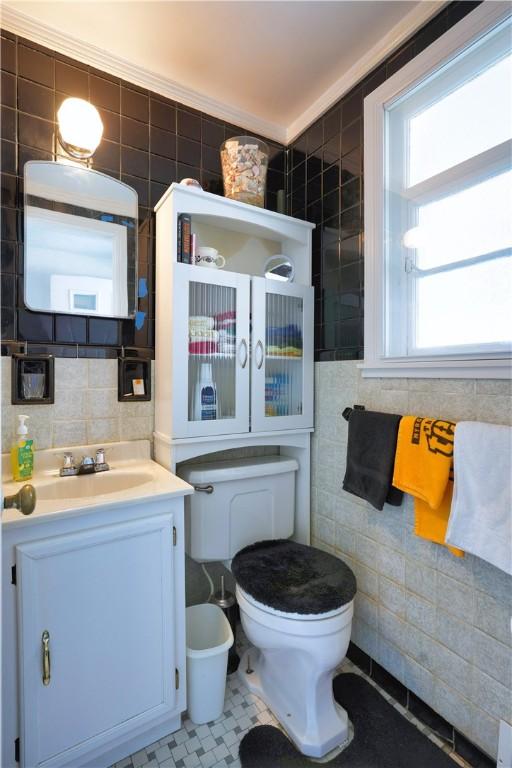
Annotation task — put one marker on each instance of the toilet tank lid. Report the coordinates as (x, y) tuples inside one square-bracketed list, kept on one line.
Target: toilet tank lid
[(237, 469)]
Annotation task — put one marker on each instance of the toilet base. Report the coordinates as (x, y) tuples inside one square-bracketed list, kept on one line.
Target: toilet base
[(332, 726)]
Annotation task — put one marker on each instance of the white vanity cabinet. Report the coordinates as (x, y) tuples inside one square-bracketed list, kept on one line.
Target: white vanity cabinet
[(94, 635)]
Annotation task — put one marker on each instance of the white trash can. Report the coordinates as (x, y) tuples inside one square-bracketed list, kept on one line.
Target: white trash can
[(209, 638)]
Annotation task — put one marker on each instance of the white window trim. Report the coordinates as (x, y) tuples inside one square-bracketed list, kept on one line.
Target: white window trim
[(375, 364)]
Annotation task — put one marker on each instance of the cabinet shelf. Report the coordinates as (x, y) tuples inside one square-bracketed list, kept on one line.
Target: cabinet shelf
[(284, 357), (213, 355)]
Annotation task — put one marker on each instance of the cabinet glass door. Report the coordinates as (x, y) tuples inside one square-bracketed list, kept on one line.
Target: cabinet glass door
[(212, 345), (282, 361)]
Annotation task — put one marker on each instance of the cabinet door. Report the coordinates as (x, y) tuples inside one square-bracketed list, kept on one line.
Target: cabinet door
[(211, 343), (282, 355), (101, 603)]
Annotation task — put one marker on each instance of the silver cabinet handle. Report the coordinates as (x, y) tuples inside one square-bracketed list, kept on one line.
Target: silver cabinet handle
[(204, 488), (45, 639), (243, 345), (259, 346)]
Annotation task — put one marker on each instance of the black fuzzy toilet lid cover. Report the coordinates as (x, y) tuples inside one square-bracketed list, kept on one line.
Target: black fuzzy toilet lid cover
[(293, 578)]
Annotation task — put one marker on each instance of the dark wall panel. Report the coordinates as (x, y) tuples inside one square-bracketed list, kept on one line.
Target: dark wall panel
[(325, 186), (148, 142)]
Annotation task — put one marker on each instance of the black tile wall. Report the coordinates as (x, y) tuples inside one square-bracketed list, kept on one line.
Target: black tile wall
[(325, 185), (148, 142)]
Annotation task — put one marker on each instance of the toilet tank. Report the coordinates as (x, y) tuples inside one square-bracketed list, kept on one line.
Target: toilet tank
[(242, 501)]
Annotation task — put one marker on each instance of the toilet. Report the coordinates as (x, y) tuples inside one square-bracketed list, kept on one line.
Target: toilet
[(296, 601)]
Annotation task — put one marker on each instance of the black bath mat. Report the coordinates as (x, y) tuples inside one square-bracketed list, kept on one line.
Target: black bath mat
[(383, 738)]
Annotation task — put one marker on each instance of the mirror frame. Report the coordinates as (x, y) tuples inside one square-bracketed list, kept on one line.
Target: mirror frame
[(131, 310)]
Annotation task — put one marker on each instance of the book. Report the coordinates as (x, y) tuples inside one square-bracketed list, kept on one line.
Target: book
[(184, 238)]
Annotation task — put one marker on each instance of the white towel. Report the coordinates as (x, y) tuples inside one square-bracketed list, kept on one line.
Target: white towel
[(202, 321), (481, 514)]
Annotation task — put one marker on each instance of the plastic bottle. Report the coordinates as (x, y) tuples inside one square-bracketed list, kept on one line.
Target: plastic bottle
[(22, 452), (205, 395)]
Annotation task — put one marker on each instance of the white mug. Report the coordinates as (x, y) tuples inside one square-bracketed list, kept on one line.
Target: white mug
[(209, 257)]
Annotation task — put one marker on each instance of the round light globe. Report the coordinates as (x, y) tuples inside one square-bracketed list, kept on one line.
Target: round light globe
[(80, 127)]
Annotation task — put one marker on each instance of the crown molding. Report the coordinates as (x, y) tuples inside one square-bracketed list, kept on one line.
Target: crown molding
[(411, 22), (25, 26), (21, 24)]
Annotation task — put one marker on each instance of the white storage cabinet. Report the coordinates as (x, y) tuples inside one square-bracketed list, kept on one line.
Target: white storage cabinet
[(94, 610), (261, 331)]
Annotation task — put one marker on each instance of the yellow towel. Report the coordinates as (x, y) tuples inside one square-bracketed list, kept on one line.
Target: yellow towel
[(424, 468)]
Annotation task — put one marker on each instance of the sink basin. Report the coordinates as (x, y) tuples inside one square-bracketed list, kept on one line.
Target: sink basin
[(86, 486), (132, 479)]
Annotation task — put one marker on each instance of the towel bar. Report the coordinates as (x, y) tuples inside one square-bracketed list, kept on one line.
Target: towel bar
[(347, 411)]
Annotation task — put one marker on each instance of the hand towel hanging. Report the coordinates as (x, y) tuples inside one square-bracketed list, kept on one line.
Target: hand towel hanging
[(370, 457), (481, 515), (424, 468)]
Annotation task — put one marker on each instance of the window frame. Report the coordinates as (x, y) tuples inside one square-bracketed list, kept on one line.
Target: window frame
[(473, 364)]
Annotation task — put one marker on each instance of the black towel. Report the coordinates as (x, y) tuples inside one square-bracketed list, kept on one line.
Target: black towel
[(371, 457)]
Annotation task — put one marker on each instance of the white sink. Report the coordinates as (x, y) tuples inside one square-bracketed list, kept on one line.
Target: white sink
[(132, 477), (99, 484)]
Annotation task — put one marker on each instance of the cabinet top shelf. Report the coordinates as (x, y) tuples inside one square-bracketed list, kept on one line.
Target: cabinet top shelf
[(245, 210)]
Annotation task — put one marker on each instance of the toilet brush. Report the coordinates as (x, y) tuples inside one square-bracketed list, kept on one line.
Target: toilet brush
[(227, 602)]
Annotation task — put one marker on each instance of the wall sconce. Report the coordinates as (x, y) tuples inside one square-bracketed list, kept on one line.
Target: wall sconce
[(80, 128)]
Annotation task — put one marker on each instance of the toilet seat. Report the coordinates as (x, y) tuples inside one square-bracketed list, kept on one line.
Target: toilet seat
[(242, 594), (293, 580)]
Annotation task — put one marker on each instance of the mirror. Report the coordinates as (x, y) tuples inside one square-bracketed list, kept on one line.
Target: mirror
[(279, 267), (80, 241)]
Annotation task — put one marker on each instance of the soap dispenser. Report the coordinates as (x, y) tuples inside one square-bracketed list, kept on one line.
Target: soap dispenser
[(22, 452)]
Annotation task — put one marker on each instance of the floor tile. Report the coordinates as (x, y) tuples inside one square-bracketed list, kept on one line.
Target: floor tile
[(215, 745)]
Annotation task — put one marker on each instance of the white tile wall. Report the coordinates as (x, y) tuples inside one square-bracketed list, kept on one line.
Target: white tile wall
[(440, 624), (86, 409)]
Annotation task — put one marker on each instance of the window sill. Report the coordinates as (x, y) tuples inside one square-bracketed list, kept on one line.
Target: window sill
[(437, 369)]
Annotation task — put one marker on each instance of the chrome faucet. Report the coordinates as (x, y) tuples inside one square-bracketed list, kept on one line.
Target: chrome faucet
[(88, 465)]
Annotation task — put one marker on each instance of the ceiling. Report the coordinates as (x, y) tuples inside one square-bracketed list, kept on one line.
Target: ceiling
[(271, 61)]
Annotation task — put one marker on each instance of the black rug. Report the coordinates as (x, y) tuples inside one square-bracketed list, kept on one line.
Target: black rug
[(383, 738)]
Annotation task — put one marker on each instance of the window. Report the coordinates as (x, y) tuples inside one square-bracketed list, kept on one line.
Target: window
[(438, 155)]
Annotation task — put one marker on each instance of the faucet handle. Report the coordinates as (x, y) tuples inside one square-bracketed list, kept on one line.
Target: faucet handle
[(69, 461), (100, 464), (68, 466)]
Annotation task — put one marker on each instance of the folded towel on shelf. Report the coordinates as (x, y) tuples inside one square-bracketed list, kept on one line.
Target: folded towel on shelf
[(203, 334), (285, 336), (283, 351), (223, 317), (203, 347), (424, 468), (227, 334), (481, 515), (202, 321), (226, 349), (370, 457)]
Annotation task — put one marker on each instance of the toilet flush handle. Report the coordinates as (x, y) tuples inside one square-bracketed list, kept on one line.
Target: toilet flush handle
[(204, 488)]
